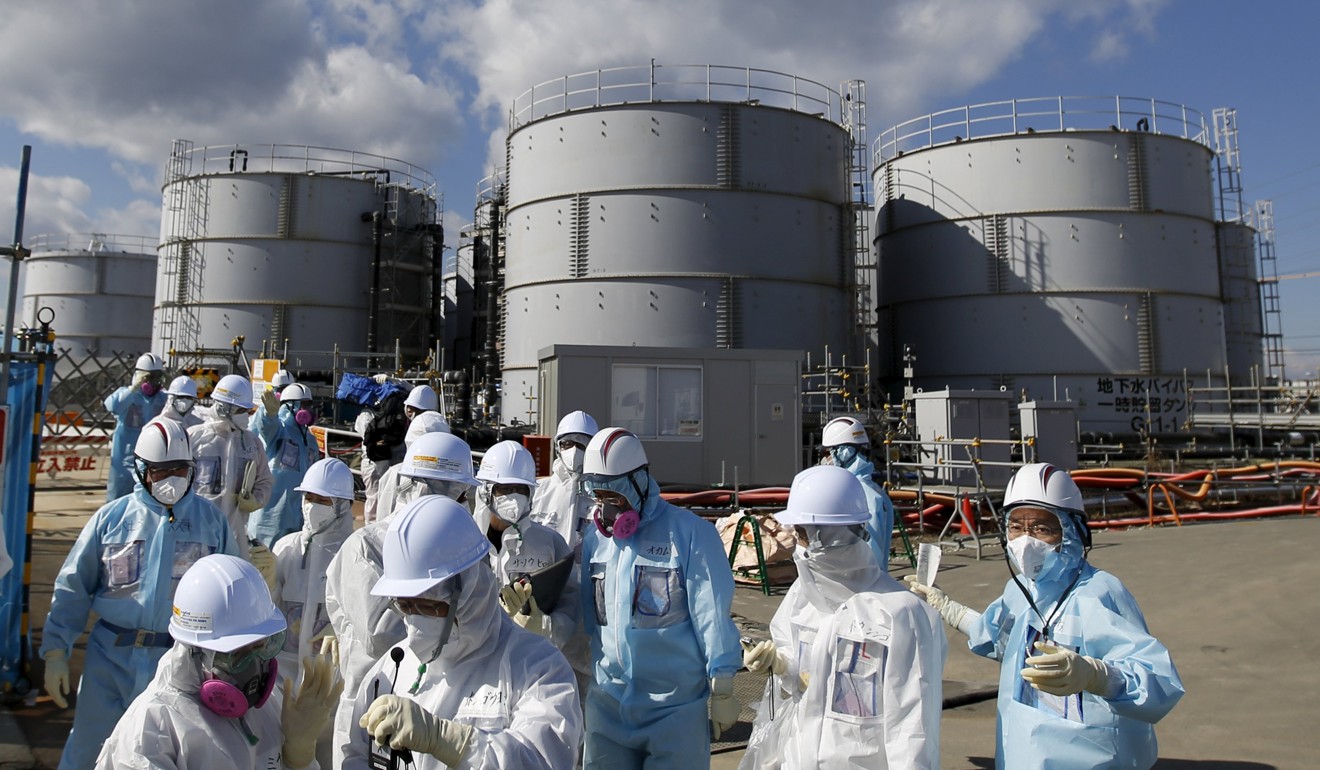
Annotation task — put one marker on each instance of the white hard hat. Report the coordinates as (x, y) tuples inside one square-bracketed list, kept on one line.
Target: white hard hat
[(844, 430), (328, 477), (295, 392), (441, 456), (233, 389), (1045, 486), (613, 452), (422, 397), (149, 362), (426, 422), (576, 422), (281, 378), (163, 441), (222, 603), (183, 385), (508, 462), (428, 542), (825, 495)]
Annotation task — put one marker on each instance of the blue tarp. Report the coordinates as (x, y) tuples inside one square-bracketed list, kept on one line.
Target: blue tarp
[(364, 391), (17, 474)]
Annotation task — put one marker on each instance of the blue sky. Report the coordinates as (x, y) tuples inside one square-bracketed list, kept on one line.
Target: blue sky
[(101, 88)]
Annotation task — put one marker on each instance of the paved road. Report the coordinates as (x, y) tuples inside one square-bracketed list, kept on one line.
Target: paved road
[(1234, 601)]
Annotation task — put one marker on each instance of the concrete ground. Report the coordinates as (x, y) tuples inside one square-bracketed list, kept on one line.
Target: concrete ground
[(1233, 601)]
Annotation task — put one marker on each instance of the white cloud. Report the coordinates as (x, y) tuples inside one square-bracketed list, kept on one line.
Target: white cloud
[(54, 205)]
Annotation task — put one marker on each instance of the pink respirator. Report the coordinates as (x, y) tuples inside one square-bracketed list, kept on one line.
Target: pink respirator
[(227, 700), (304, 417), (625, 524), (149, 389)]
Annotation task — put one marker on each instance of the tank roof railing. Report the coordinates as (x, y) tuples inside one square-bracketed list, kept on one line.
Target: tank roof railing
[(96, 243), (306, 159), (1044, 115), (654, 83)]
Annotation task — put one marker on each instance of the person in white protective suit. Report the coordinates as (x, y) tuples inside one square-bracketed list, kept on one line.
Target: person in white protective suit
[(508, 476), (396, 490), (856, 665), (421, 399), (270, 399), (559, 502), (133, 406), (1082, 681), (302, 560), (180, 401), (212, 702), (440, 464), (231, 464), (125, 568), (468, 688), (562, 504), (846, 445)]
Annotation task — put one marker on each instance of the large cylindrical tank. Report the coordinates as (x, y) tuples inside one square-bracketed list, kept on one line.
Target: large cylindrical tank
[(100, 288), (1061, 247), (1242, 311), (288, 243), (692, 207)]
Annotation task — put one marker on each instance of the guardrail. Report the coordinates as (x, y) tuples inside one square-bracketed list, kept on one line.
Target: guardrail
[(1042, 115), (305, 159)]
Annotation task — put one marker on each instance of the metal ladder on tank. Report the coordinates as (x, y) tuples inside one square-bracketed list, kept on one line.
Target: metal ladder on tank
[(181, 257), (859, 207)]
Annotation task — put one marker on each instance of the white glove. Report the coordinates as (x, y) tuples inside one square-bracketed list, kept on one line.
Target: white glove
[(764, 656), (951, 611), (264, 561), (307, 710), (400, 723), (1060, 671), (381, 379), (57, 677), (514, 597), (724, 708)]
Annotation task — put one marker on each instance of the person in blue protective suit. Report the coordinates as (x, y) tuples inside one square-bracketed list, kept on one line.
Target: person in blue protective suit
[(848, 446), (133, 406), (1082, 681), (125, 567), (270, 399), (656, 597), (290, 451)]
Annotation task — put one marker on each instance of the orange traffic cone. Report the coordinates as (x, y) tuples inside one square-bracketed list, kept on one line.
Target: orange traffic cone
[(969, 516)]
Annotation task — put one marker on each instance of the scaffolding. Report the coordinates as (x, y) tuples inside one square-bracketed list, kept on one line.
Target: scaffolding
[(859, 208), (1271, 315)]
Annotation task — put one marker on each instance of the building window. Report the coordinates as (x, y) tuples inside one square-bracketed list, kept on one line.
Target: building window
[(657, 401)]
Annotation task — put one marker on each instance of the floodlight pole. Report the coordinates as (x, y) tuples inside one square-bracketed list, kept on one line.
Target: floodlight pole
[(16, 253)]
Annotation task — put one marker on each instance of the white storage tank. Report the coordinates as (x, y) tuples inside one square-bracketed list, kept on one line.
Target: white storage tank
[(684, 207), (100, 287), (316, 246), (1058, 248)]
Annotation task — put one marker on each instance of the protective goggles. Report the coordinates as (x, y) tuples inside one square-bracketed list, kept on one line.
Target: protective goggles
[(224, 410), (435, 603), (258, 652), (623, 485), (817, 537)]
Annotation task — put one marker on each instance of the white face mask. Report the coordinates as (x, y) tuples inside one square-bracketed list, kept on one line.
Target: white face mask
[(427, 636), (1028, 555), (183, 405), (573, 457), (318, 516), (240, 420), (170, 489), (511, 508)]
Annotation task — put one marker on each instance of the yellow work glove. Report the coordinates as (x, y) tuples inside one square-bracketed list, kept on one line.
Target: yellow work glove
[(270, 402), (308, 709), (951, 611), (1060, 671), (517, 596), (261, 558), (724, 708), (57, 677), (248, 503), (400, 723)]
